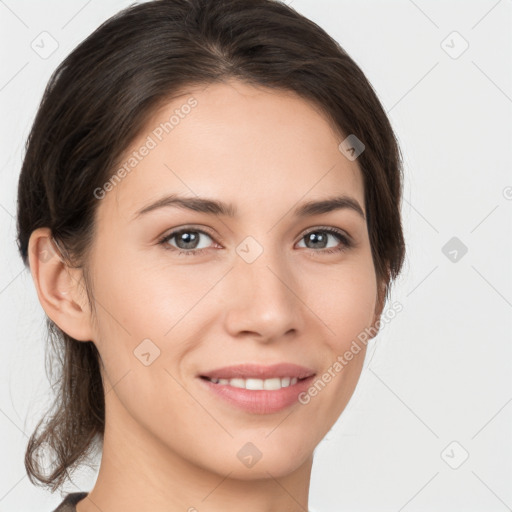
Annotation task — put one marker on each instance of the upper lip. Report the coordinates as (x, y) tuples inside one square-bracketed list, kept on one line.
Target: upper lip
[(251, 370)]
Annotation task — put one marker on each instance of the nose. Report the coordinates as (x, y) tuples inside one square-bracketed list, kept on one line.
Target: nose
[(264, 301)]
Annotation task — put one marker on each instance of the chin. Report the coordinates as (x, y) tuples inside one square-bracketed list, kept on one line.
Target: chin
[(260, 460)]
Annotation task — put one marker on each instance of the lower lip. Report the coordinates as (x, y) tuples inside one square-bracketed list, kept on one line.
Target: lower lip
[(260, 401)]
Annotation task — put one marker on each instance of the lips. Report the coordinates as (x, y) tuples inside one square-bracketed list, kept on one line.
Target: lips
[(253, 399), (256, 371)]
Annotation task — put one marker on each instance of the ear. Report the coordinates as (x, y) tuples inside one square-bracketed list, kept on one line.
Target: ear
[(379, 306), (59, 287)]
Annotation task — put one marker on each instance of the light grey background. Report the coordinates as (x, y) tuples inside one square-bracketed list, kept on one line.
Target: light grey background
[(437, 383)]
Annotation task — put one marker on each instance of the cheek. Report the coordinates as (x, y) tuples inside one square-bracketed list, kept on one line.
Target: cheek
[(344, 299), (149, 312), (142, 341), (143, 296), (346, 307)]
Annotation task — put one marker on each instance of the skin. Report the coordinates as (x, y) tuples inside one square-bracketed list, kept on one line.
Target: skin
[(170, 444)]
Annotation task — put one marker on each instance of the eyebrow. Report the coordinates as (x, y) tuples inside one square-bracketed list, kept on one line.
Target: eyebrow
[(219, 208)]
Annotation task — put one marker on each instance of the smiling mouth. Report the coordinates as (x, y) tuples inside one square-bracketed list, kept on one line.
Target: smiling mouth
[(255, 384), (259, 389)]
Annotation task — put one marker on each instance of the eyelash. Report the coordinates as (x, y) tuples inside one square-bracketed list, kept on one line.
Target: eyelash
[(346, 242)]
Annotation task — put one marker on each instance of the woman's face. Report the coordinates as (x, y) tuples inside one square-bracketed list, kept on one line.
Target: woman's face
[(249, 286)]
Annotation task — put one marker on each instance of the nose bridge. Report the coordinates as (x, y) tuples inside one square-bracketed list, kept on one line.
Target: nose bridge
[(264, 300)]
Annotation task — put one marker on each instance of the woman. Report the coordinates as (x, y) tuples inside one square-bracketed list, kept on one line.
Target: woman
[(209, 205)]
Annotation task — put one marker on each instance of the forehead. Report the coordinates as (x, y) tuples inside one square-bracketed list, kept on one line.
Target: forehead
[(247, 145)]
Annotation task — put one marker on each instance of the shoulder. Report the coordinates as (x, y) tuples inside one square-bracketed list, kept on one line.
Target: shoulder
[(69, 502)]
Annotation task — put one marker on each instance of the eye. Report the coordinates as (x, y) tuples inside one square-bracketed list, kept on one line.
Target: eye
[(189, 241), (319, 239)]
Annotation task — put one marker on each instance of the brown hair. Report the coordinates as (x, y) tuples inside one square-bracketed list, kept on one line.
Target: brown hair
[(98, 100)]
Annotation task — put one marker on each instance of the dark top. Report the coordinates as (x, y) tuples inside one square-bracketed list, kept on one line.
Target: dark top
[(68, 505)]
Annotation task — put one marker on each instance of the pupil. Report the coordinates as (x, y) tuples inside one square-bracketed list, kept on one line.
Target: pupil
[(314, 237), (188, 240)]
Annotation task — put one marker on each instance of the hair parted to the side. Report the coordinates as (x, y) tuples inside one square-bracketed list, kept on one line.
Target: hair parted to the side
[(101, 96)]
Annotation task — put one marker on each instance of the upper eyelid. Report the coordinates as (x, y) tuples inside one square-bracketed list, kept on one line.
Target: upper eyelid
[(201, 229), (326, 228)]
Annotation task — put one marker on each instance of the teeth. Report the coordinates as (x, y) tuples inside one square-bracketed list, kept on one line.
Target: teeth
[(258, 384)]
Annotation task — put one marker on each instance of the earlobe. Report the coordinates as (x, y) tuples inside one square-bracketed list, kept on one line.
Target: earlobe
[(59, 288)]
